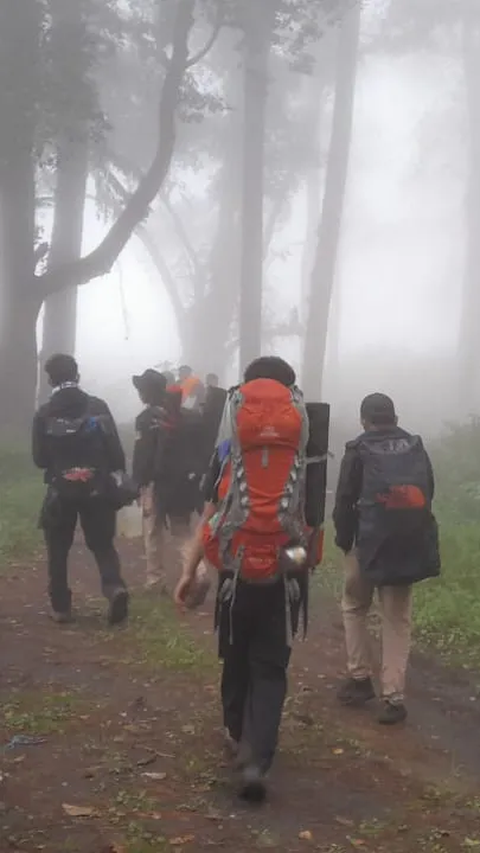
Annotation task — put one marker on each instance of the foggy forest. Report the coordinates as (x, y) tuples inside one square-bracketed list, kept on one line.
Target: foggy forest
[(201, 182)]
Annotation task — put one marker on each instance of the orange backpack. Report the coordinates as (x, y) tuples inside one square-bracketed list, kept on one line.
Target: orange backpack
[(262, 491)]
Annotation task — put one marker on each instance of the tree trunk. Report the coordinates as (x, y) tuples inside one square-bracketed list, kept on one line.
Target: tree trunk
[(60, 319), (19, 305), (101, 260), (258, 34), (324, 268), (470, 317)]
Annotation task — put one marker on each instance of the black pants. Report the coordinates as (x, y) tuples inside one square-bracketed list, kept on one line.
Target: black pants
[(59, 520), (253, 643)]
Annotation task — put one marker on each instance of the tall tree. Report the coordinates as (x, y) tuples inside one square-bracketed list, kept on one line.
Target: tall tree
[(469, 385), (20, 94), (324, 269), (24, 27), (72, 52), (258, 23)]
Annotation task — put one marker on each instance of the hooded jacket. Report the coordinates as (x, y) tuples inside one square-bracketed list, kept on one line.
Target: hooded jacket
[(70, 401)]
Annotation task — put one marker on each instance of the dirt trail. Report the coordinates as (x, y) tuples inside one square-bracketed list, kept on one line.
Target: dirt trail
[(136, 745)]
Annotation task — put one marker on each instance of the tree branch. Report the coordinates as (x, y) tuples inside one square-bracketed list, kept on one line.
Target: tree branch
[(184, 238), (155, 256), (100, 261), (211, 41), (128, 170)]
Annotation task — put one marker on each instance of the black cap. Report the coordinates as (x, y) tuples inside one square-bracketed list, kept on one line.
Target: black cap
[(378, 409), (150, 383)]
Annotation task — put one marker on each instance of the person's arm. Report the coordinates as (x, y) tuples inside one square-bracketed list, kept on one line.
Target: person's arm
[(143, 452), (39, 444), (195, 555), (347, 496)]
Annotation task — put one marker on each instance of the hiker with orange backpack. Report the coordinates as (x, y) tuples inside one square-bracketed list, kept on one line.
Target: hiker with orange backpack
[(254, 533)]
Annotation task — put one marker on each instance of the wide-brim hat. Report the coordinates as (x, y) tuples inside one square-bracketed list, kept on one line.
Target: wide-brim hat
[(150, 380)]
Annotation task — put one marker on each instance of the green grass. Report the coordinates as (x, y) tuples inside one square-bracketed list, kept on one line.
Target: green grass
[(22, 492), (40, 714), (162, 639)]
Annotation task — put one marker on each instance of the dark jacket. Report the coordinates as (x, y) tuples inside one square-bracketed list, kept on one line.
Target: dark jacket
[(152, 428), (346, 511), (72, 402)]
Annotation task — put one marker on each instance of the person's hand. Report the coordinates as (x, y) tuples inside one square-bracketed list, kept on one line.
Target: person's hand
[(182, 589)]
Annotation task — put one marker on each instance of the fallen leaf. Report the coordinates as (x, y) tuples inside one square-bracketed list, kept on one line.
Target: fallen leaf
[(145, 762), (78, 811), (338, 751), (356, 842), (157, 777), (306, 835), (184, 839)]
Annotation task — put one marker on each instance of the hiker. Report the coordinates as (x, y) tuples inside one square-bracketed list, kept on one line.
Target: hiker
[(76, 443), (212, 381), (164, 469), (261, 589), (385, 527), (193, 391)]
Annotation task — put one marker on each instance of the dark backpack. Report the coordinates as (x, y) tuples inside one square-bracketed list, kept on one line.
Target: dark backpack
[(397, 536), (78, 450)]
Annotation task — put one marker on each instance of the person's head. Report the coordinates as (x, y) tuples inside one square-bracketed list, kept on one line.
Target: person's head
[(185, 372), (170, 378), (270, 367), (377, 412), (61, 369), (212, 380), (151, 387)]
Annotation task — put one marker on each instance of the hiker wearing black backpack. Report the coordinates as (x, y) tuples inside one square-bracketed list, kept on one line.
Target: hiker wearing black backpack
[(167, 470), (254, 533), (76, 443), (384, 525)]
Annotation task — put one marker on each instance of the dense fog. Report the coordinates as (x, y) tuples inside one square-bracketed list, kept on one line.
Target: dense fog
[(201, 182)]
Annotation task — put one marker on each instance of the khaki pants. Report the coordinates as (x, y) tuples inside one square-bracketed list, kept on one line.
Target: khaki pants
[(395, 611), (164, 545)]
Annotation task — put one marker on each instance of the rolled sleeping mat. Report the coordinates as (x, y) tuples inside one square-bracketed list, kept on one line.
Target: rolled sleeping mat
[(317, 458), (212, 417)]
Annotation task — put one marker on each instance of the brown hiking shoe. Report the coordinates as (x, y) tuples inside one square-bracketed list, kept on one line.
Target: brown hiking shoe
[(356, 692), (392, 713)]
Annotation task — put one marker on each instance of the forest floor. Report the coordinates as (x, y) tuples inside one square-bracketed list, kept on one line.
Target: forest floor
[(123, 749)]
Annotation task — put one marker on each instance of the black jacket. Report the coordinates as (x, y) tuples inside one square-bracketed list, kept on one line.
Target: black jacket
[(72, 402), (151, 430), (169, 453), (349, 488)]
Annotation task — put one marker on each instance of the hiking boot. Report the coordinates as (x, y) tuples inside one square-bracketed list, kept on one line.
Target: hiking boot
[(252, 787), (392, 713), (118, 607), (64, 618), (355, 692)]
